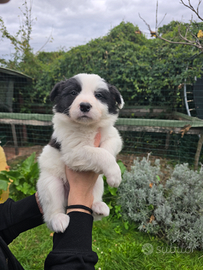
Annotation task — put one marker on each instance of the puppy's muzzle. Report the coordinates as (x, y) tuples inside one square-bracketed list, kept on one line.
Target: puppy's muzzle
[(85, 107)]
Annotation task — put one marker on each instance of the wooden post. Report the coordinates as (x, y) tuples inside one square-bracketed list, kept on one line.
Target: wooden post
[(199, 148), (24, 129), (15, 139), (168, 135)]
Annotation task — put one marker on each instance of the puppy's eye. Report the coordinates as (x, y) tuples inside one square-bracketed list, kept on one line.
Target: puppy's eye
[(98, 95), (73, 93)]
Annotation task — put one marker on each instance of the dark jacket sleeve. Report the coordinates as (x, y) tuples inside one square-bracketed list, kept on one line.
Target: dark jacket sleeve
[(72, 250), (17, 217)]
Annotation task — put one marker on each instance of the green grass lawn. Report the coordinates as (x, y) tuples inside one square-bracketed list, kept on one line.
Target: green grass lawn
[(117, 249)]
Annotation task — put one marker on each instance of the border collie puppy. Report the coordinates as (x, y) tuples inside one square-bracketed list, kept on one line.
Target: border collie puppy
[(84, 105)]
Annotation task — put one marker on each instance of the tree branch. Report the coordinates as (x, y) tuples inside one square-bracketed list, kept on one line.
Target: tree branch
[(182, 43), (196, 43), (48, 39), (157, 26), (156, 16), (196, 11), (145, 23)]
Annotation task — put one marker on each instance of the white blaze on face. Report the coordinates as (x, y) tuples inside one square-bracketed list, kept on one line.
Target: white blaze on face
[(89, 83)]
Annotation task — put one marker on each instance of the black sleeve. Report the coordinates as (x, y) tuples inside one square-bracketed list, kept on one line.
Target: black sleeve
[(17, 217), (72, 250)]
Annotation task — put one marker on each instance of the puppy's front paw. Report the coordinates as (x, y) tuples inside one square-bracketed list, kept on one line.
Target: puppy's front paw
[(100, 209), (114, 178), (60, 222)]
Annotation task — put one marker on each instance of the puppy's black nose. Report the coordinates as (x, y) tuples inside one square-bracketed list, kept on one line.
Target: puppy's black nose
[(85, 107)]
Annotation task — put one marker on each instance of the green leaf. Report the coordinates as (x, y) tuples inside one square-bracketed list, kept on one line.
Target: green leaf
[(126, 225), (122, 166), (158, 178), (13, 175), (33, 175), (3, 184), (35, 171), (28, 163), (3, 177), (112, 190), (110, 205)]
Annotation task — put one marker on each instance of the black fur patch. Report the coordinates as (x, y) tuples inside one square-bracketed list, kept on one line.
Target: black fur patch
[(64, 93), (111, 98), (53, 142)]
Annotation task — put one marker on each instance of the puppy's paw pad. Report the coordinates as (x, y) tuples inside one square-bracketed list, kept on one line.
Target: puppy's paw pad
[(60, 222), (100, 209)]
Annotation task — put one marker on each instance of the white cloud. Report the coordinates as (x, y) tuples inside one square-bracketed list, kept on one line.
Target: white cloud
[(75, 22)]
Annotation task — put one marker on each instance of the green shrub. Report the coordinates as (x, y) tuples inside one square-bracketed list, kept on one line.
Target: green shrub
[(173, 211), (23, 178), (146, 71)]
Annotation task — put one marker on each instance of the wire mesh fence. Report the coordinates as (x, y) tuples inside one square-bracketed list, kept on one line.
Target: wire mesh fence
[(25, 121)]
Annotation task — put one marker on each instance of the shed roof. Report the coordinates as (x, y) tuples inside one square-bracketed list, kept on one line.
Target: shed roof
[(15, 73)]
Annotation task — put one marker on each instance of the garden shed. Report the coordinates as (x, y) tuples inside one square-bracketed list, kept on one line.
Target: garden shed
[(12, 84)]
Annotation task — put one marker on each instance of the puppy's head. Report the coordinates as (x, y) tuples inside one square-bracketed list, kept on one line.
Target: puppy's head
[(86, 99)]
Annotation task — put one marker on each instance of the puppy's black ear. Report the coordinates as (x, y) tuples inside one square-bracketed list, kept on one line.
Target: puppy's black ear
[(116, 96), (56, 90)]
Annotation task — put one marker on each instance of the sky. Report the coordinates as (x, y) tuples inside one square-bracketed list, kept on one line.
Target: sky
[(75, 22)]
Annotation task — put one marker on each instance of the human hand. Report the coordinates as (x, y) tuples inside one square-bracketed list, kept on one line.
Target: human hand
[(82, 184)]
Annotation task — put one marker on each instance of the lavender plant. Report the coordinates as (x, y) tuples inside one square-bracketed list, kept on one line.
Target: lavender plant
[(174, 210)]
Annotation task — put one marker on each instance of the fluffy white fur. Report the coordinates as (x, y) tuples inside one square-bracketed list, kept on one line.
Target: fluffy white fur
[(76, 135)]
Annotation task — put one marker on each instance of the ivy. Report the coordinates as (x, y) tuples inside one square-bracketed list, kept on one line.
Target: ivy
[(146, 71)]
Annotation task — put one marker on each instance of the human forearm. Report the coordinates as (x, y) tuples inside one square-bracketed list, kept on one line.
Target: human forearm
[(17, 217), (73, 248)]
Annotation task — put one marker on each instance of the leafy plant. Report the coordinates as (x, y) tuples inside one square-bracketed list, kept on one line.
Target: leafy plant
[(174, 211), (140, 192), (3, 185), (111, 194), (23, 178)]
